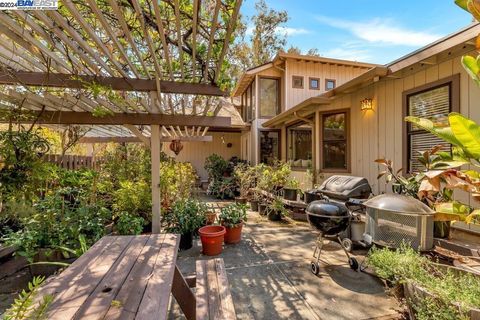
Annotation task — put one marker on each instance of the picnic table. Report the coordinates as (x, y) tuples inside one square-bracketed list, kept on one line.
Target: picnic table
[(122, 277)]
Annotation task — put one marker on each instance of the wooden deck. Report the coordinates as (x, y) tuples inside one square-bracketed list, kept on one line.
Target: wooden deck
[(121, 277)]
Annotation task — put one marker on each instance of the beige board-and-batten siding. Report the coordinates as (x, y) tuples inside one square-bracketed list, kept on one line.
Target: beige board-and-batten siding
[(197, 152), (323, 71), (378, 133)]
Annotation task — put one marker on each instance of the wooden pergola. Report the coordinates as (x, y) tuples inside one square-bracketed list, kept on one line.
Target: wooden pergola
[(124, 69)]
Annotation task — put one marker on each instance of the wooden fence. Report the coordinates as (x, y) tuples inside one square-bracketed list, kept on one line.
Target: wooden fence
[(73, 162)]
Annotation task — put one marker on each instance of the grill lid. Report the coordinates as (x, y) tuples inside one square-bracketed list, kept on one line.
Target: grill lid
[(327, 208), (398, 203), (345, 187)]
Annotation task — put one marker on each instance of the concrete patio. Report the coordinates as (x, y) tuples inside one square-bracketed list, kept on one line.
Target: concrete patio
[(270, 278)]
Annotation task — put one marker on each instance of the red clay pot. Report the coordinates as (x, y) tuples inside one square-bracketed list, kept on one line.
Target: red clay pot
[(234, 235), (212, 239)]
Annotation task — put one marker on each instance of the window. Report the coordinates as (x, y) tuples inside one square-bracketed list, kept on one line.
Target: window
[(248, 110), (330, 84), (248, 103), (299, 141), (253, 103), (297, 82), (434, 102), (269, 146), (314, 83), (269, 97), (334, 141)]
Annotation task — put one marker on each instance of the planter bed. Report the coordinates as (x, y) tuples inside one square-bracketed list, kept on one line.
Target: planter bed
[(413, 294), (431, 290)]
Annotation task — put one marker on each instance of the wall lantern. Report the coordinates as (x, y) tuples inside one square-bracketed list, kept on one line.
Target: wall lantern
[(176, 146), (366, 104)]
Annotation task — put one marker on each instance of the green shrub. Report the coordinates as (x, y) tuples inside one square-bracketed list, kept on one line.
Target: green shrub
[(448, 286), (56, 222), (22, 170), (129, 224), (233, 214), (186, 216), (134, 198), (216, 166), (177, 180)]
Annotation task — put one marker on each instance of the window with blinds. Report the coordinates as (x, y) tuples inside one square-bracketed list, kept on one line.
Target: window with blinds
[(434, 104)]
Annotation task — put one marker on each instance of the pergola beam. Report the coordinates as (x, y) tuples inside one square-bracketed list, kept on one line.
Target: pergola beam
[(138, 134), (87, 118), (61, 80), (137, 140)]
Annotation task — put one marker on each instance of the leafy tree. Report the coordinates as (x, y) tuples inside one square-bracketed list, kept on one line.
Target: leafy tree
[(264, 42)]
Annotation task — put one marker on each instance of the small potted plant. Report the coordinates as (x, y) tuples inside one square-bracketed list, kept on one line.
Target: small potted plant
[(280, 175), (232, 218), (290, 190), (276, 210), (210, 216), (263, 206), (186, 216), (245, 176), (255, 199)]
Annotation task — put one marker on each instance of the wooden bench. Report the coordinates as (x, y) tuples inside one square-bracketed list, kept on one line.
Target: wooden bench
[(214, 300)]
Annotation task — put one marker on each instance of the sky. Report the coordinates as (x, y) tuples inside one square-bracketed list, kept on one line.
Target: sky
[(375, 31)]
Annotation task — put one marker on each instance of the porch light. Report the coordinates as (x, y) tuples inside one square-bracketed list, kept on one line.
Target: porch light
[(366, 104)]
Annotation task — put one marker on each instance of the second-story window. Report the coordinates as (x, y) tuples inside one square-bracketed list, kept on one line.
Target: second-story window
[(269, 97), (314, 83), (330, 84), (297, 82)]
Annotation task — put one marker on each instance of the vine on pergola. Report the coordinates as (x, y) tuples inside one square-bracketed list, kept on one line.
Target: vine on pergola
[(176, 40)]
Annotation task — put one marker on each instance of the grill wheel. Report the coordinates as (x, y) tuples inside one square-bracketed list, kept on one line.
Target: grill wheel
[(353, 263), (315, 268)]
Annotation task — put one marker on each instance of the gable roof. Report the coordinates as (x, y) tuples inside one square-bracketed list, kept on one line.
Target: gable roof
[(248, 76), (459, 38)]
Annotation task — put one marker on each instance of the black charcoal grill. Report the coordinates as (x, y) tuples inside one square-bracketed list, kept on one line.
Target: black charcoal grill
[(332, 215)]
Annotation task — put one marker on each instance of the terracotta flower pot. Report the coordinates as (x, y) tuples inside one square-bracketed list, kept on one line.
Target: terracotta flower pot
[(234, 234), (212, 239)]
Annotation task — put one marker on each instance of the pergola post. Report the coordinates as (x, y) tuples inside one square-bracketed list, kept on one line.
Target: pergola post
[(155, 157)]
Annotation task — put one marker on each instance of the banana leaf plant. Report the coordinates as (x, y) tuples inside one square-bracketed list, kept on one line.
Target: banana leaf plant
[(464, 136), (471, 63), (419, 185)]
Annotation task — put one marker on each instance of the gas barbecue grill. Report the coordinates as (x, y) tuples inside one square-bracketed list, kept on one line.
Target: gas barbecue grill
[(333, 215)]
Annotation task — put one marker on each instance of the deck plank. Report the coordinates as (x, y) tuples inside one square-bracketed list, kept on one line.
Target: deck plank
[(66, 304), (213, 291), (226, 301), (201, 290), (98, 303), (156, 297), (131, 293), (64, 280)]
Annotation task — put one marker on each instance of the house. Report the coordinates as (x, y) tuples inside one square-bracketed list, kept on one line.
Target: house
[(362, 118), (270, 90)]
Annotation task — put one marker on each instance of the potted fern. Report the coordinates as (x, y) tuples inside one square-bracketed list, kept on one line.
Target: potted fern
[(232, 218)]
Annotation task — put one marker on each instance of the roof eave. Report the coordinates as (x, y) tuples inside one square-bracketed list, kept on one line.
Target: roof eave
[(293, 113)]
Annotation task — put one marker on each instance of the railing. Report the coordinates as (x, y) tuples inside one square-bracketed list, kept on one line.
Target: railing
[(74, 162)]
